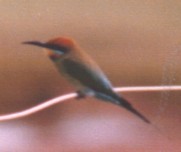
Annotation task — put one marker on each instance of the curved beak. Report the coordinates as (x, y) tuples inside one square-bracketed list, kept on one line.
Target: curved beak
[(36, 43), (41, 44)]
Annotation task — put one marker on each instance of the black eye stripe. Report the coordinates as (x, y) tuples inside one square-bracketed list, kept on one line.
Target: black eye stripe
[(57, 47)]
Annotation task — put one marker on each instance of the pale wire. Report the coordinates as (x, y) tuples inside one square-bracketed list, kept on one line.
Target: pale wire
[(64, 98)]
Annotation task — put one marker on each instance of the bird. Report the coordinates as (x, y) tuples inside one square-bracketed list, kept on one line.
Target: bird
[(83, 72)]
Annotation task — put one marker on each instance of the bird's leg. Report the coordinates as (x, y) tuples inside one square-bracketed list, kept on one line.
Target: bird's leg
[(80, 94), (84, 93)]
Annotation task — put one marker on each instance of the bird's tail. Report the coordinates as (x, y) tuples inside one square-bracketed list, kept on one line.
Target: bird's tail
[(134, 111), (116, 99), (124, 103)]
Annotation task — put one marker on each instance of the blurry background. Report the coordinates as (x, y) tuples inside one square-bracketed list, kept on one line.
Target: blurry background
[(135, 42)]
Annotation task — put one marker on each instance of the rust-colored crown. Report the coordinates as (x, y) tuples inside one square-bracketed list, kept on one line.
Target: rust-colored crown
[(62, 41)]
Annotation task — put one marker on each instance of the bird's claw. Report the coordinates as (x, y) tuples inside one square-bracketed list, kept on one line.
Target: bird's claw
[(84, 93), (80, 94)]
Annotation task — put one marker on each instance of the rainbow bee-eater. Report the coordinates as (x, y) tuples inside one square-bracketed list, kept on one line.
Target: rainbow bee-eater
[(79, 68)]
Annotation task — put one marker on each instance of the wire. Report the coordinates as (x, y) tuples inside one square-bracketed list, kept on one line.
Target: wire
[(66, 97)]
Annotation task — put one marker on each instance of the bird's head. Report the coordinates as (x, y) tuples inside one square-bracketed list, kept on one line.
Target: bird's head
[(56, 47)]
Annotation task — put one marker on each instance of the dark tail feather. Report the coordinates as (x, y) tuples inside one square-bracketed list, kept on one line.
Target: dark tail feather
[(130, 108), (116, 99), (134, 111)]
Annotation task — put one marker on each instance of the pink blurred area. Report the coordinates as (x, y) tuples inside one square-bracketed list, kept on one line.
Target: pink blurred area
[(136, 43)]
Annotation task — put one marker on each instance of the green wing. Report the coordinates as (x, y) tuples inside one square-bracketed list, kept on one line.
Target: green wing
[(87, 76)]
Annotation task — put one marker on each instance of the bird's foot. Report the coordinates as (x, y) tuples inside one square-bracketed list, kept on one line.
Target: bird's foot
[(80, 94), (84, 93)]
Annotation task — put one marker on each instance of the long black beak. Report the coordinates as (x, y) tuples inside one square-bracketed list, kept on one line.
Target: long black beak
[(44, 45), (36, 43)]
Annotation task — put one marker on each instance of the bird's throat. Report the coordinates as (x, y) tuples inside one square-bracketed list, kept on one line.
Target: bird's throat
[(52, 55)]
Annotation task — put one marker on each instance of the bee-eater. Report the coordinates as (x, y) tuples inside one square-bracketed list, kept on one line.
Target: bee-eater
[(78, 67)]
